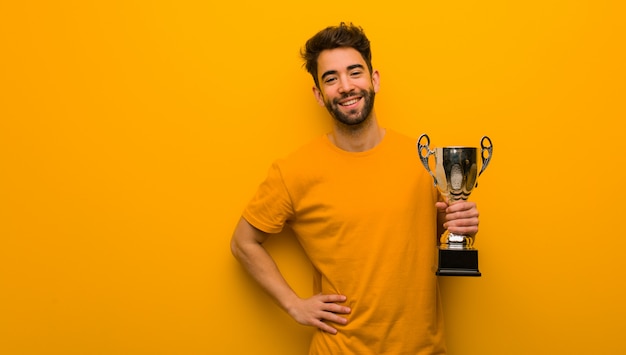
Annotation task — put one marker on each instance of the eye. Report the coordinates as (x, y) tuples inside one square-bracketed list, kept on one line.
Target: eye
[(330, 79), (356, 73)]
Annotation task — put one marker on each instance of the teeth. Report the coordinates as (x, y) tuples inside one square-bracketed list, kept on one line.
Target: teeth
[(351, 102)]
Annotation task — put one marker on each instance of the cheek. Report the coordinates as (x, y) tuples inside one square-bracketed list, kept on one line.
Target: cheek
[(324, 97)]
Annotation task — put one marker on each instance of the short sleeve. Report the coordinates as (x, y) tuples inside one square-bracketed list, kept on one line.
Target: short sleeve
[(271, 206)]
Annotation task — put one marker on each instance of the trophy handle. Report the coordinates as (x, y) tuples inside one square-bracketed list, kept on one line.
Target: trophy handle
[(485, 148), (421, 148)]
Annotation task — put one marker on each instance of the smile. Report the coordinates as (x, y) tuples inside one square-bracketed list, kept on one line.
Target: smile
[(350, 102)]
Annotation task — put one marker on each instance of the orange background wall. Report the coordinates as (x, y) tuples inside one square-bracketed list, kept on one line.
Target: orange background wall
[(132, 133)]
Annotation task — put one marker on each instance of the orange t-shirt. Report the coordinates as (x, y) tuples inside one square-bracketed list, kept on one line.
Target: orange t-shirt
[(367, 221)]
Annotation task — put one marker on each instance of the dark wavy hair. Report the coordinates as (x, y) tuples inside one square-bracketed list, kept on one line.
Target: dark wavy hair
[(344, 35)]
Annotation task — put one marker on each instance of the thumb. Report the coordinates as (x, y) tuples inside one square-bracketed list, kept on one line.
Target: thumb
[(441, 206)]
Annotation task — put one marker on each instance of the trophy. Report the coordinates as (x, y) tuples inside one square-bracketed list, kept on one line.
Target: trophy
[(455, 176)]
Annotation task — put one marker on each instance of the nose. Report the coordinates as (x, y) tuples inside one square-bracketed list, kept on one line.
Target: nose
[(345, 85)]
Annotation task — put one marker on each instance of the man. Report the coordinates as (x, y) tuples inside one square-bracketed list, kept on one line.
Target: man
[(365, 212)]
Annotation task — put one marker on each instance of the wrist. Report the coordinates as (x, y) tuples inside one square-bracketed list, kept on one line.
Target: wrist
[(290, 303)]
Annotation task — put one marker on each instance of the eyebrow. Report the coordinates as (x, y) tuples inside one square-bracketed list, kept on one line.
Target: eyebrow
[(350, 67)]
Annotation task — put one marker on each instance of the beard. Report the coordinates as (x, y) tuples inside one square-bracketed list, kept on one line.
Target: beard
[(353, 118)]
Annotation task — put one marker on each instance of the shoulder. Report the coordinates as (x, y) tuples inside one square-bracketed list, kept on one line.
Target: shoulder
[(307, 153), (401, 144), (304, 158)]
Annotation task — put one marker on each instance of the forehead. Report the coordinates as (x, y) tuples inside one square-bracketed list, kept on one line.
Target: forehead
[(338, 59)]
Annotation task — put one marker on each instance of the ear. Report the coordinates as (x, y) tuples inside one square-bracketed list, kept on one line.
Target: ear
[(319, 97), (376, 81)]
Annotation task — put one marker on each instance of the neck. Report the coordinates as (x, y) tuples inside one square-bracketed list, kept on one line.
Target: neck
[(358, 138)]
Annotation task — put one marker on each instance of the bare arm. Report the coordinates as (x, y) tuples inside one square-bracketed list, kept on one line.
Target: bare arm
[(247, 247)]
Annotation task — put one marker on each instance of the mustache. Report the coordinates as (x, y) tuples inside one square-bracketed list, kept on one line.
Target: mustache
[(352, 93)]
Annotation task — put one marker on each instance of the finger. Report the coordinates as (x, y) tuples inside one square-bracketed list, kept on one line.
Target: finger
[(441, 206), (461, 206), (325, 327), (465, 227), (461, 215), (329, 304), (331, 298), (333, 318), (462, 222), (336, 308)]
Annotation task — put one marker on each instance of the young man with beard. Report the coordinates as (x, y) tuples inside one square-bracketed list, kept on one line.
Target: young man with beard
[(365, 212)]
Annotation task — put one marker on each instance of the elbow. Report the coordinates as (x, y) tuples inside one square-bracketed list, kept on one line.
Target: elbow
[(234, 248), (245, 240)]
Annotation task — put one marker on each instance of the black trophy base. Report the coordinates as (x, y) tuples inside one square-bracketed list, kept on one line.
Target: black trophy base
[(457, 262)]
